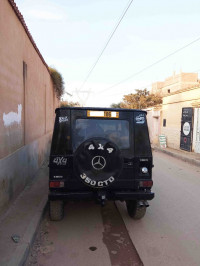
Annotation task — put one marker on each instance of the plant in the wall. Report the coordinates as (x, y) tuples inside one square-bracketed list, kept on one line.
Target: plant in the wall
[(58, 82)]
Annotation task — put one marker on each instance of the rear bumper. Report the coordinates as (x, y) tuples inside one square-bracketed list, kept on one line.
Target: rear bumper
[(114, 195)]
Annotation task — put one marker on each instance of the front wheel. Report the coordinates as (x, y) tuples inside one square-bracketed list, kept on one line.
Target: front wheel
[(56, 210), (135, 211)]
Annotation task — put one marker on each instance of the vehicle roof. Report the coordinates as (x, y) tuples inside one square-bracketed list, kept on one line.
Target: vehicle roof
[(101, 109)]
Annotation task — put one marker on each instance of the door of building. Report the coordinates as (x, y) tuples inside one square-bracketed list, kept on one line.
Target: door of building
[(196, 136), (186, 129)]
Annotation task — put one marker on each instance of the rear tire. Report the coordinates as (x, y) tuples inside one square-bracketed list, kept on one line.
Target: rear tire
[(56, 210), (134, 210)]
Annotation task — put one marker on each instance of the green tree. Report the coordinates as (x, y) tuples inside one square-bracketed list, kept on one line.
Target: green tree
[(140, 100)]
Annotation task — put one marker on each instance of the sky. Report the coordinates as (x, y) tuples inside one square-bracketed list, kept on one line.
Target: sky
[(71, 34)]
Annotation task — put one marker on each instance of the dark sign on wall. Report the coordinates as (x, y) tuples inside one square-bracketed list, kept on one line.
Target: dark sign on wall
[(186, 129)]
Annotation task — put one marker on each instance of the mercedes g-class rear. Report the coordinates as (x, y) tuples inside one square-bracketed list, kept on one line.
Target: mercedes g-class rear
[(101, 154)]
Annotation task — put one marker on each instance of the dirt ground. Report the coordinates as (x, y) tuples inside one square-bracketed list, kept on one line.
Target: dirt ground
[(98, 237)]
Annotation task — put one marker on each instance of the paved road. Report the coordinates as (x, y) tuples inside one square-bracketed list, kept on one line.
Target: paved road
[(169, 234)]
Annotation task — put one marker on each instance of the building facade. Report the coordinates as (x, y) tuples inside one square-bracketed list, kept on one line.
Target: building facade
[(175, 82), (27, 104), (179, 92)]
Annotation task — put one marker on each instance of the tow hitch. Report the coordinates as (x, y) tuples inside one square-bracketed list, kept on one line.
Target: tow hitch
[(101, 197)]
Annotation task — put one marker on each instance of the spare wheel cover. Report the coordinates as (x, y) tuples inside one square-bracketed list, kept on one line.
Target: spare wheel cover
[(98, 162)]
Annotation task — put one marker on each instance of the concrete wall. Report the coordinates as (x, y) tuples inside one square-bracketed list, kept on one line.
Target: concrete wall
[(196, 130), (19, 168), (27, 104), (178, 91), (154, 125), (176, 82), (172, 111)]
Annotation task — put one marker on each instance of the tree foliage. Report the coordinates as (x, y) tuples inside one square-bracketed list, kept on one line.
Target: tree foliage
[(140, 100), (115, 105), (58, 82), (69, 104)]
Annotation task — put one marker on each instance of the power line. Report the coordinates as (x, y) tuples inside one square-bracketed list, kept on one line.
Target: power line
[(140, 88), (145, 86), (109, 39), (149, 66)]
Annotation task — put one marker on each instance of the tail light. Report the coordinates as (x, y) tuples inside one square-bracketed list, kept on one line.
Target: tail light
[(56, 184), (146, 183)]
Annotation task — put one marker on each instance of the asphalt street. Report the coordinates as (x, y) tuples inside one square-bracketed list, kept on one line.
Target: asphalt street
[(169, 234)]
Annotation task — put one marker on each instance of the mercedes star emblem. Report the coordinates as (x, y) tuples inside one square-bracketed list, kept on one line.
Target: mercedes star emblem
[(98, 162)]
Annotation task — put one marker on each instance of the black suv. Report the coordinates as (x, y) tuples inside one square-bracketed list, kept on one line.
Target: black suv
[(101, 154)]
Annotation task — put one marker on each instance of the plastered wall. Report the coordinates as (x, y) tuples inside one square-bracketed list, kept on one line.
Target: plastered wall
[(27, 104), (175, 82), (153, 120), (172, 110)]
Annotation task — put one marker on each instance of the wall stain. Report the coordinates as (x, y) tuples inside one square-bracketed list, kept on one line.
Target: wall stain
[(13, 117)]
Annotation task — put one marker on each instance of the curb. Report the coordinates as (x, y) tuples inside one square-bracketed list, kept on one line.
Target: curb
[(21, 253), (178, 156)]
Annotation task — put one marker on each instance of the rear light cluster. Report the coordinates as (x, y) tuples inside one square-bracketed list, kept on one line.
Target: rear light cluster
[(145, 183), (56, 184)]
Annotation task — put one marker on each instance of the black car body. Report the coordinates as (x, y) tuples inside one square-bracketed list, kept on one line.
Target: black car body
[(102, 154)]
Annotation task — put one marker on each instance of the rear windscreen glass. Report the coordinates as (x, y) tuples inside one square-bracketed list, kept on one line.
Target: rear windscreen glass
[(116, 131)]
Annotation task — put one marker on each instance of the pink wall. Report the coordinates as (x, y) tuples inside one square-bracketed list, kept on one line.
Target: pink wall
[(26, 108), (27, 105)]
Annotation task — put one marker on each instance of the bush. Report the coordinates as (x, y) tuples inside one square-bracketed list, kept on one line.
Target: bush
[(58, 82), (69, 104), (115, 105)]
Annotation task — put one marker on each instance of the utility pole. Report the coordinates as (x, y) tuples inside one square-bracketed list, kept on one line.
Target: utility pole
[(83, 99)]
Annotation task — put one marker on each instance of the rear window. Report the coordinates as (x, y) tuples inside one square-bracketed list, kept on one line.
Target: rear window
[(116, 131)]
